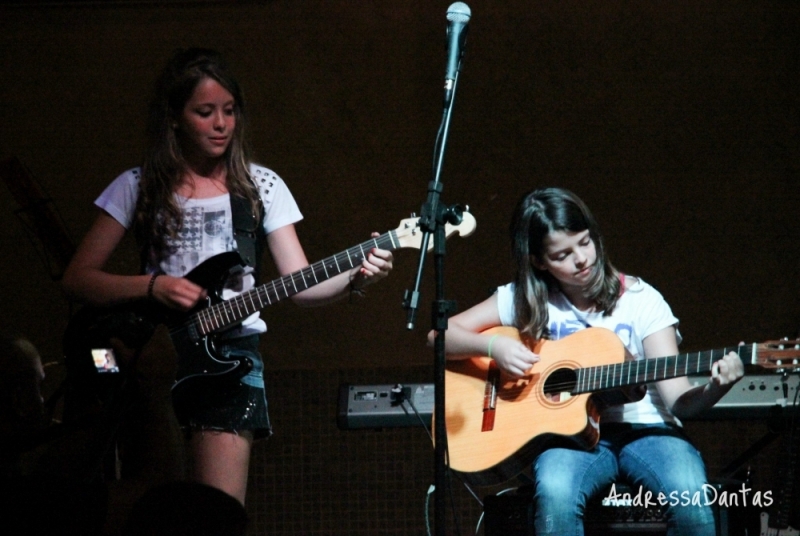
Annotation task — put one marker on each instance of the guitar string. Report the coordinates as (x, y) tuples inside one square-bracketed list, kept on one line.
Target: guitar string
[(613, 375), (222, 314)]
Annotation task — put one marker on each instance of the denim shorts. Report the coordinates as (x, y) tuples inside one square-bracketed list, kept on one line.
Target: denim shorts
[(229, 405)]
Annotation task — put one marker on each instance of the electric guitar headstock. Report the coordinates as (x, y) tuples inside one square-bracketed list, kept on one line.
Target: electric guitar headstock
[(409, 233)]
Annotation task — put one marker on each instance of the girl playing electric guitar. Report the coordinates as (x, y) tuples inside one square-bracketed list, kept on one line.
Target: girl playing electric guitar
[(179, 205)]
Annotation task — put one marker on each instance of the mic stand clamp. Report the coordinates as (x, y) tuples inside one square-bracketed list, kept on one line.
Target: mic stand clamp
[(432, 220)]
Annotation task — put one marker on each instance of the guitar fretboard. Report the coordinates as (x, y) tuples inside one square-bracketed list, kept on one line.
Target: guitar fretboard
[(234, 310), (603, 377)]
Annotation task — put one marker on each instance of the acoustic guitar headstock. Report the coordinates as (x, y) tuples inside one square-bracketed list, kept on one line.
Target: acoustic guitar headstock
[(779, 355)]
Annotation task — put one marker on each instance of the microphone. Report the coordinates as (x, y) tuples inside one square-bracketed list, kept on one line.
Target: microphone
[(458, 15)]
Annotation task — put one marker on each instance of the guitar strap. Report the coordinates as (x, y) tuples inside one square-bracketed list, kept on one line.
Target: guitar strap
[(248, 231)]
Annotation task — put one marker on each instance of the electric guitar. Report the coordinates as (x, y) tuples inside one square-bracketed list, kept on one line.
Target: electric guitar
[(497, 425), (195, 333)]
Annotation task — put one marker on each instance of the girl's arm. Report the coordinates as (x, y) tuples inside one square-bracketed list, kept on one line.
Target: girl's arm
[(288, 254), (86, 281), (464, 339), (682, 399)]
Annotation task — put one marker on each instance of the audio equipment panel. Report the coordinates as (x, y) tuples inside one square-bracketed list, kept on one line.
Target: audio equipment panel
[(390, 405), (385, 405)]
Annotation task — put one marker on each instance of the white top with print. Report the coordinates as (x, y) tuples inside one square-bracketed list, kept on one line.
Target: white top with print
[(640, 311), (207, 227)]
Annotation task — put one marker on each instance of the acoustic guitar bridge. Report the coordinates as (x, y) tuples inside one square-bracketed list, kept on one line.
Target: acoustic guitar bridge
[(490, 397)]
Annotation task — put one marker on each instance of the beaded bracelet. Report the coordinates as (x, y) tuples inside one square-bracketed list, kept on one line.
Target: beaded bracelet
[(150, 286), (357, 291)]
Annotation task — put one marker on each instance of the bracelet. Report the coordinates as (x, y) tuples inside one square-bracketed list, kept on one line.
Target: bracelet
[(357, 291), (150, 286), (491, 341)]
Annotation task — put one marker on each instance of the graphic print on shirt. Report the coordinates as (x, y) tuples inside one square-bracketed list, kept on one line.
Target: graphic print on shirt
[(559, 330), (204, 233)]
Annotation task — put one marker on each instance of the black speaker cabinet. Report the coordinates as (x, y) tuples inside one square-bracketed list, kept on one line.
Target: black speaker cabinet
[(511, 514)]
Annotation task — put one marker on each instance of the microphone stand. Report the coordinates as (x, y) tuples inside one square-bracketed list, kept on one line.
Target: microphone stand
[(433, 217)]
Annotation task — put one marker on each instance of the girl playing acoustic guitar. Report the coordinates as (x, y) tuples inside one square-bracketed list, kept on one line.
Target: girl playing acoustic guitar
[(179, 205), (565, 283)]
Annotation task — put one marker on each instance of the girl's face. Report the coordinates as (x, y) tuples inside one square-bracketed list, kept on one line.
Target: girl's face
[(205, 127), (569, 257)]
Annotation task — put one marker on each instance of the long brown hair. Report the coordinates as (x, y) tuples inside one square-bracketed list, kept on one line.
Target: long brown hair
[(158, 215), (538, 214)]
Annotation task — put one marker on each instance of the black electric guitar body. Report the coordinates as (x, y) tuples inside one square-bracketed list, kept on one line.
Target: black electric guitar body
[(199, 358), (134, 324), (197, 348)]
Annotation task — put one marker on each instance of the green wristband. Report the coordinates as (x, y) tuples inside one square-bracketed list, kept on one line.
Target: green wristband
[(491, 341)]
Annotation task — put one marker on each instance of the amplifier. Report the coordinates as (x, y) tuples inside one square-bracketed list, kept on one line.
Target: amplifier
[(511, 514), (752, 397), (392, 405), (624, 515), (385, 405)]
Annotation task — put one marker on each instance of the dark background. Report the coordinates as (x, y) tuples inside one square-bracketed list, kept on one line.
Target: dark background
[(677, 122)]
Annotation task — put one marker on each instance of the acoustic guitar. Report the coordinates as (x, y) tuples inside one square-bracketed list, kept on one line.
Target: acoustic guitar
[(497, 425)]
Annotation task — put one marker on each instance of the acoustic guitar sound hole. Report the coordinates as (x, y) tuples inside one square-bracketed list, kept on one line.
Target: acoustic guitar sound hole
[(559, 385)]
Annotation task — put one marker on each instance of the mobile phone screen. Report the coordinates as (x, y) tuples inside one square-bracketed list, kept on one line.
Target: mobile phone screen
[(104, 360)]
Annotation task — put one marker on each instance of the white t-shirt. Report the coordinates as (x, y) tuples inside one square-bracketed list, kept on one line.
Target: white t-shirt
[(207, 226), (640, 311)]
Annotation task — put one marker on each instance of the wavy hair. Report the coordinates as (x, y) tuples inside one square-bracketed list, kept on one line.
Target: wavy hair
[(158, 214), (538, 214)]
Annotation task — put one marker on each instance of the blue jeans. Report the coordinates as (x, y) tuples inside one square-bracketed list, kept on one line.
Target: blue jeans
[(657, 458)]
